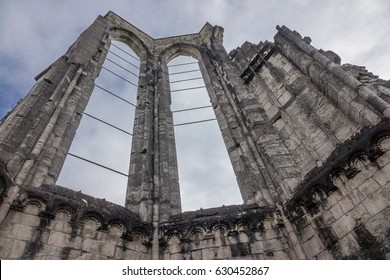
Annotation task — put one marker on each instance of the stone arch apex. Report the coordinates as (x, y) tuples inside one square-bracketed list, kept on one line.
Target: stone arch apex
[(132, 40), (120, 22), (178, 49), (204, 36)]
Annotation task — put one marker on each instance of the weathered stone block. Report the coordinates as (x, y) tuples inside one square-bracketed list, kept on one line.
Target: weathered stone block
[(270, 233), (74, 254), (48, 252), (346, 204), (61, 239), (209, 254), (383, 160), (274, 244), (382, 176), (134, 255), (344, 225), (25, 219), (177, 256), (347, 246), (98, 247), (22, 232), (287, 67), (257, 247), (88, 256), (313, 247), (136, 246), (108, 238), (240, 249), (378, 201), (365, 173), (333, 199), (196, 255), (62, 226), (328, 218), (379, 224), (224, 253), (280, 255), (306, 233), (258, 256), (17, 250), (243, 237), (324, 255), (359, 213), (6, 245), (279, 124), (369, 115)]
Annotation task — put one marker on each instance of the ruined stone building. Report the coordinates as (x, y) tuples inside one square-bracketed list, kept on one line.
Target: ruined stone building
[(308, 140)]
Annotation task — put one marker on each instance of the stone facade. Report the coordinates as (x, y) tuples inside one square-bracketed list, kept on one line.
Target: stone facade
[(308, 139)]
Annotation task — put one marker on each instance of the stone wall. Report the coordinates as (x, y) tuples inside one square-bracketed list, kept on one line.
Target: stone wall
[(58, 223), (343, 213), (228, 232), (310, 110)]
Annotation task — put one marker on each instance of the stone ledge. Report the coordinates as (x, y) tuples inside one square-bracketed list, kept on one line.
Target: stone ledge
[(227, 217), (81, 206), (319, 180)]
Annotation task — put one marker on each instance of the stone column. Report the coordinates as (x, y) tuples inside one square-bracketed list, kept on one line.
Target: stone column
[(139, 196), (169, 190), (360, 103), (36, 135), (226, 93)]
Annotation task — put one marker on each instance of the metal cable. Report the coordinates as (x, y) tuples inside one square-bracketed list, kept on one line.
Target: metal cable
[(190, 109), (130, 82), (121, 67), (189, 71), (180, 64), (106, 123), (117, 55), (136, 58), (117, 96), (98, 164), (184, 89), (185, 80), (180, 124)]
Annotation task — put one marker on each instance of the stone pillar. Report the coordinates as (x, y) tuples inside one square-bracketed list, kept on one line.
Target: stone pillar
[(36, 135), (139, 196), (169, 190), (153, 187), (360, 103), (227, 96)]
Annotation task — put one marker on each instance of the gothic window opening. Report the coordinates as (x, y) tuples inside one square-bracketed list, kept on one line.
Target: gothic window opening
[(98, 160), (206, 175)]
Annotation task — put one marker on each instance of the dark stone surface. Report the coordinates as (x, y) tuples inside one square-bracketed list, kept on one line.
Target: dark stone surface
[(83, 206), (319, 179)]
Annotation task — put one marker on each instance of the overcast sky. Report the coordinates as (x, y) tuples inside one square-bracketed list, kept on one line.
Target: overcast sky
[(35, 33)]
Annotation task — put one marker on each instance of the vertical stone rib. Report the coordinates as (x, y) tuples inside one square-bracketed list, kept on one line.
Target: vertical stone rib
[(39, 146), (364, 92), (169, 187), (264, 189), (22, 128), (139, 192), (156, 180)]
